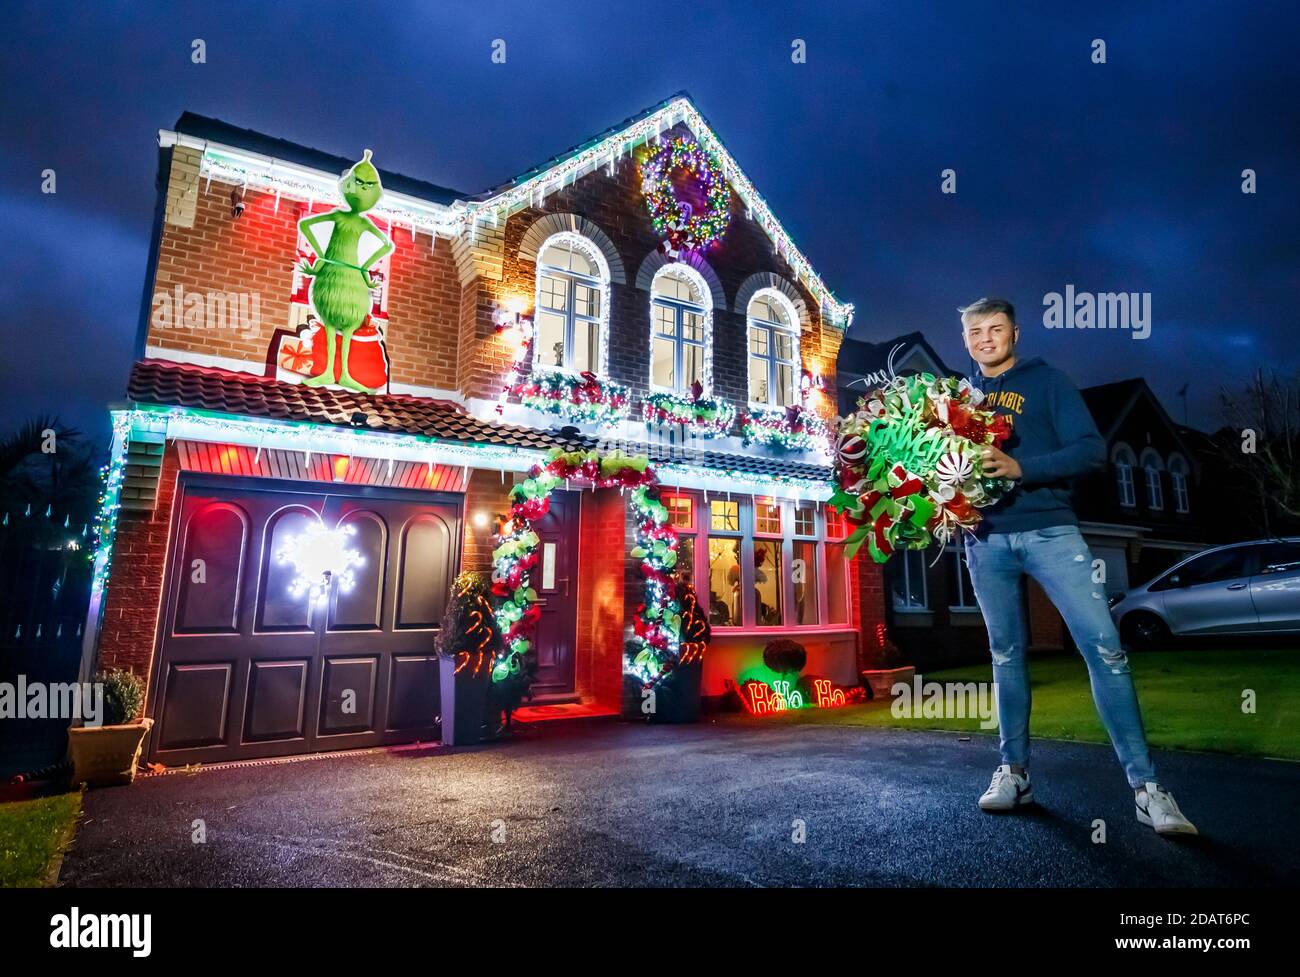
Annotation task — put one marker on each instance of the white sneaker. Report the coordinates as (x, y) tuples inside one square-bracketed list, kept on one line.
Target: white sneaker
[(1156, 807), (1007, 791)]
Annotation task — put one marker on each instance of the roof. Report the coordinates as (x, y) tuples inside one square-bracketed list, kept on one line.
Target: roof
[(217, 131), (1109, 402), (857, 356), (550, 175), (167, 384), (164, 383)]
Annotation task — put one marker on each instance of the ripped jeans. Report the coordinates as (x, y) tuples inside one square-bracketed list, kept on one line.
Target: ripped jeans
[(1058, 558)]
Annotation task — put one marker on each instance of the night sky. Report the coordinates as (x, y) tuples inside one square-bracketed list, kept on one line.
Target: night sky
[(1117, 177)]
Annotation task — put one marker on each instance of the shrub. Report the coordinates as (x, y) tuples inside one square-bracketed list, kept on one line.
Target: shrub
[(123, 696), (784, 656)]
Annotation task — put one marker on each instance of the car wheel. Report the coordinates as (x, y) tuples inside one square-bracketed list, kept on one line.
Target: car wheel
[(1144, 631)]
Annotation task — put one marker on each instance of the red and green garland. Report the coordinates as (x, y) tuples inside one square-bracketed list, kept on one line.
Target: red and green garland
[(908, 466), (654, 651), (686, 193), (584, 398), (704, 417), (794, 428)]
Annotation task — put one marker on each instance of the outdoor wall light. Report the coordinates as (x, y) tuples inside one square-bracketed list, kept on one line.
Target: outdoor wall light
[(480, 519), (236, 203)]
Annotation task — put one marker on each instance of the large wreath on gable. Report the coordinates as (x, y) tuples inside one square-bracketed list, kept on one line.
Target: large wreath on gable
[(686, 193)]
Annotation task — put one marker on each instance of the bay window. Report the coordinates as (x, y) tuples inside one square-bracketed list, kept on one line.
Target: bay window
[(761, 562)]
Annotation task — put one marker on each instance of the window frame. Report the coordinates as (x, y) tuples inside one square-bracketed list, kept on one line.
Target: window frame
[(572, 317), (679, 307), (903, 566), (1152, 466), (822, 540), (1125, 461), (1178, 472), (770, 359)]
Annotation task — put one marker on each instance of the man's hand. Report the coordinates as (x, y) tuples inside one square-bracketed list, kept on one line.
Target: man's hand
[(999, 464)]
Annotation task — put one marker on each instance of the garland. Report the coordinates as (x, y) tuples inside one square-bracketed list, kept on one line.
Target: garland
[(908, 464), (584, 398), (794, 428), (673, 217), (703, 417), (653, 653)]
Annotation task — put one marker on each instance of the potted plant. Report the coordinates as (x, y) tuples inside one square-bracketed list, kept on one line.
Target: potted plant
[(467, 647), (107, 754), (889, 667), (677, 692)]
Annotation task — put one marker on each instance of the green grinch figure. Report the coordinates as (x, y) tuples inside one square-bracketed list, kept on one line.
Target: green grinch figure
[(341, 285)]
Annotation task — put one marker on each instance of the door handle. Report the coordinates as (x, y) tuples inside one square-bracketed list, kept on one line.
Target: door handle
[(1236, 586), (565, 581)]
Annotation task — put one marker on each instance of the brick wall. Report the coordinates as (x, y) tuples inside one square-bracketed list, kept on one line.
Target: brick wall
[(134, 593), (488, 493), (256, 254), (1046, 629), (868, 597)]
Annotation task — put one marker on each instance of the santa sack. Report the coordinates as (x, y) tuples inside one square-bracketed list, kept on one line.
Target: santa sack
[(367, 357)]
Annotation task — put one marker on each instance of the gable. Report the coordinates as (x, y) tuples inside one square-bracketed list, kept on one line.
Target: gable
[(609, 150)]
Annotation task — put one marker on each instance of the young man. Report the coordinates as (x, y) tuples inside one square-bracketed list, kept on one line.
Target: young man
[(1033, 531)]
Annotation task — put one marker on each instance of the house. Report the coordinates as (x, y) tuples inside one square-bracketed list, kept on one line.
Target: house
[(1146, 512), (292, 491)]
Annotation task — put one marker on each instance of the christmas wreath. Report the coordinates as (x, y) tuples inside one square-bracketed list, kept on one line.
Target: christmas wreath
[(686, 193), (584, 398), (794, 428), (908, 465), (704, 417)]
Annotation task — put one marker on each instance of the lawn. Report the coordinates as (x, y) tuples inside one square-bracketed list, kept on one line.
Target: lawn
[(1191, 700), (32, 834)]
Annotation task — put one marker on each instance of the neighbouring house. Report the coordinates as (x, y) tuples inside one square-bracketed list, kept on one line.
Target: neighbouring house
[(625, 296), (1142, 515)]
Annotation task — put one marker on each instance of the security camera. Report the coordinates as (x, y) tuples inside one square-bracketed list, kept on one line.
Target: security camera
[(236, 203)]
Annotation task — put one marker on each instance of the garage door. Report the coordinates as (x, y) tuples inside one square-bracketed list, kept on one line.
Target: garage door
[(251, 665)]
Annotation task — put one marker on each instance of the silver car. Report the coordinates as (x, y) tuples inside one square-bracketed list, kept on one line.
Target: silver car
[(1245, 588)]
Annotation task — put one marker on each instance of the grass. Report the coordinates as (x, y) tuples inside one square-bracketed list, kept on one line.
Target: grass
[(1191, 700), (33, 834)]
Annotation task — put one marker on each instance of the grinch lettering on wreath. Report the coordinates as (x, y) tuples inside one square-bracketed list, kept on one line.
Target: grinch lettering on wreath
[(341, 283), (908, 468)]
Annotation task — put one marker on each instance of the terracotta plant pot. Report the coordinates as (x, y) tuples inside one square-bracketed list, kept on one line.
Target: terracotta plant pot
[(103, 756), (881, 680)]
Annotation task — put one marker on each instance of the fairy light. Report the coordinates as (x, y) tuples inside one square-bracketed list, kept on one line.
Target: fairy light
[(320, 556)]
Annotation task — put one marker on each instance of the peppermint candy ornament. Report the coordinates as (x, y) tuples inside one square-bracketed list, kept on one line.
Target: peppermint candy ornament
[(852, 449), (954, 467)]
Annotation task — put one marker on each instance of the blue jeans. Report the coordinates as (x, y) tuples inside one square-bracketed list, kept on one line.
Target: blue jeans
[(1058, 558)]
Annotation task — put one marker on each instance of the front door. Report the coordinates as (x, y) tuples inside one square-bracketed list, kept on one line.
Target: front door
[(555, 579), (251, 666)]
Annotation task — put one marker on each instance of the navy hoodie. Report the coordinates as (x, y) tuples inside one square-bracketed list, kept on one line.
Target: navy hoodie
[(1054, 438)]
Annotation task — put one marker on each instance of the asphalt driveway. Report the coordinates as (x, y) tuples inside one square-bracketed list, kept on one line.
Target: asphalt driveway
[(605, 803)]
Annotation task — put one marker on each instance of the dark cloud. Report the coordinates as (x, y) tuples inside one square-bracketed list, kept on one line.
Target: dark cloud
[(1122, 176)]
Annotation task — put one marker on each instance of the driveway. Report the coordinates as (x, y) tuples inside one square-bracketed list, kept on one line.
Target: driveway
[(606, 803)]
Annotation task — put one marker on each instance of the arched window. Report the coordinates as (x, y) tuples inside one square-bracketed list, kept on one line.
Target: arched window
[(680, 330), (773, 350), (572, 318), (1178, 471), (1125, 462), (1152, 466)]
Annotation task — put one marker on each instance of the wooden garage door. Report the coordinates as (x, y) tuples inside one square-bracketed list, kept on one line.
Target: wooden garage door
[(249, 669)]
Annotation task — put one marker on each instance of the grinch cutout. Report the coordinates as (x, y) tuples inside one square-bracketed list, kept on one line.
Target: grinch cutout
[(341, 283)]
